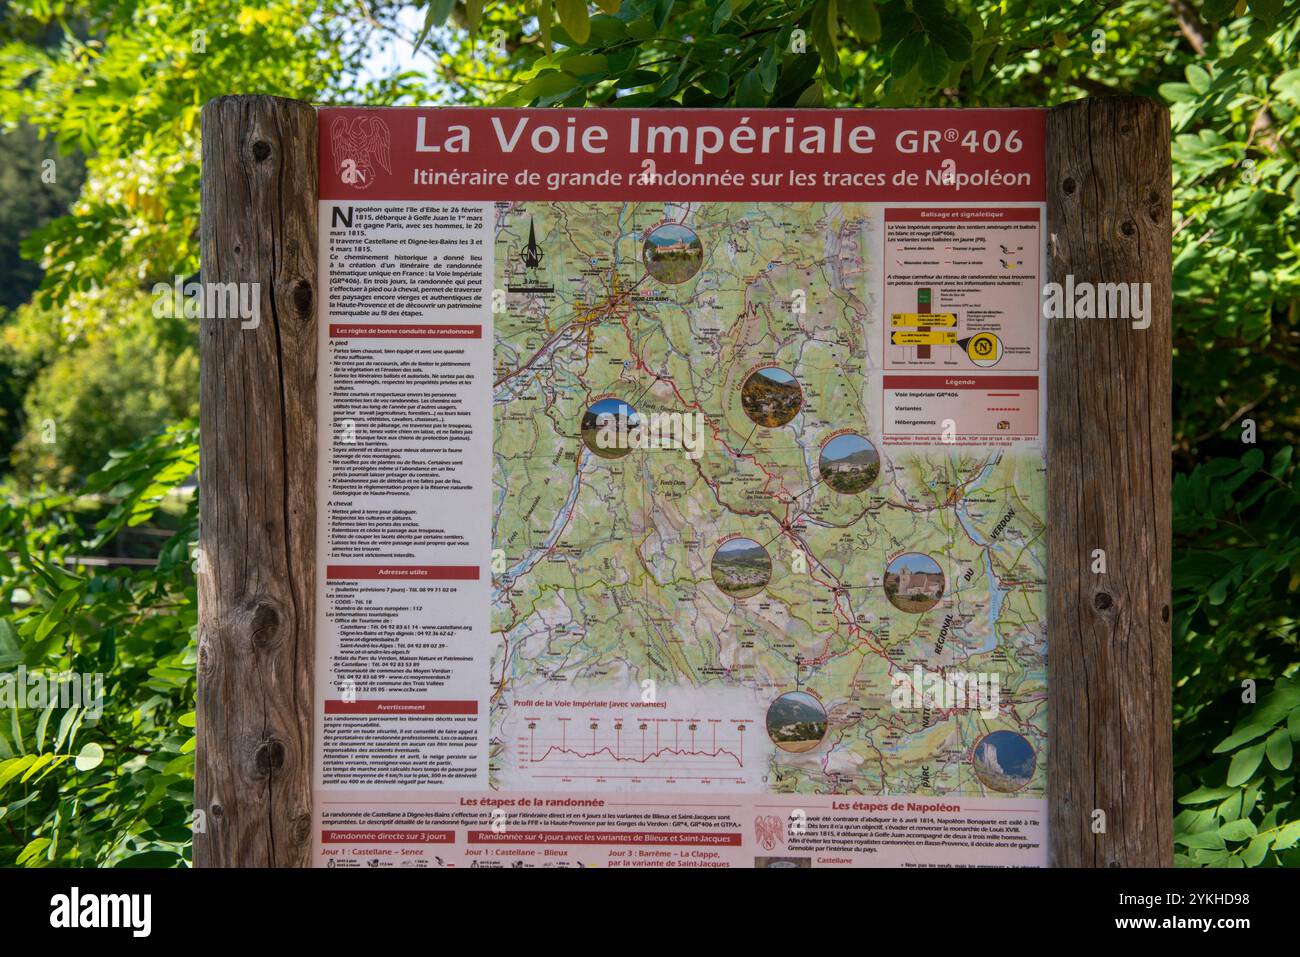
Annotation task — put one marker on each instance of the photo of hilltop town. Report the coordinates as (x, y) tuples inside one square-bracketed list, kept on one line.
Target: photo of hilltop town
[(914, 583), (741, 567), (849, 464), (605, 428), (672, 253), (796, 722), (771, 397)]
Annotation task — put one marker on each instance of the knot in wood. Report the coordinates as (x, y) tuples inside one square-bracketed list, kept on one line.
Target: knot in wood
[(302, 297), (261, 150), (269, 756), (263, 625)]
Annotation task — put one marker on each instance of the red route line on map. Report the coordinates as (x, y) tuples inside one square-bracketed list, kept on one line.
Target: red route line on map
[(838, 589)]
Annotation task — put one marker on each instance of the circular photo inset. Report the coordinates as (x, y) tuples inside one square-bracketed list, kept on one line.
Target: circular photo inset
[(672, 253), (607, 428), (849, 463), (771, 397), (741, 567), (796, 722), (914, 583), (1004, 761)]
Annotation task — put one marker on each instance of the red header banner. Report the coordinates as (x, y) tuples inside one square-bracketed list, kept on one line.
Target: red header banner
[(467, 153)]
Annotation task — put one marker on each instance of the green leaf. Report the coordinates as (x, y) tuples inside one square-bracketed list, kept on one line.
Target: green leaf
[(574, 18), (546, 88), (1215, 10), (33, 851), (1204, 839), (769, 69), (750, 91), (184, 765), (1256, 850), (435, 16), (906, 55), (1267, 10), (584, 65), (1278, 747), (13, 767), (811, 98), (544, 24), (68, 726), (716, 83), (721, 14), (953, 36), (1238, 830), (934, 64), (90, 756), (1244, 763), (1203, 795), (42, 722), (1241, 736), (981, 58), (1286, 836), (863, 19), (473, 14), (57, 612), (824, 29), (39, 761)]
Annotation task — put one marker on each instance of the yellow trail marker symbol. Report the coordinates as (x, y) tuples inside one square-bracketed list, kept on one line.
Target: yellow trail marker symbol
[(936, 337), (984, 348), (922, 319)]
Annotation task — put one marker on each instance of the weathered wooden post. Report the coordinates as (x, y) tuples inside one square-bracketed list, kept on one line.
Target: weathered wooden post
[(258, 512), (1108, 221)]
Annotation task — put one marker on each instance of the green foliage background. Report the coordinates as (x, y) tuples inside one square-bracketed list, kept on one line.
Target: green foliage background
[(93, 373)]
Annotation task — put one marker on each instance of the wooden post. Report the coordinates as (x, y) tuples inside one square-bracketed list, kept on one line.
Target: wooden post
[(258, 467), (1108, 433)]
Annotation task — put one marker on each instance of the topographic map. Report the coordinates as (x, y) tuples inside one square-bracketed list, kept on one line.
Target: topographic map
[(708, 571)]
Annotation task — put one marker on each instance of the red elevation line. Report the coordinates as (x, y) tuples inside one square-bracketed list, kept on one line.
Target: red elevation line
[(641, 760)]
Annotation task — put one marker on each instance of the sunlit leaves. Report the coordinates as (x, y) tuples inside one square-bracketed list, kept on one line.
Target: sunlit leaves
[(575, 19), (1245, 812), (103, 776)]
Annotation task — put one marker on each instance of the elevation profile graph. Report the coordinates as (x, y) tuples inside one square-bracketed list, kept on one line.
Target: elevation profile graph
[(621, 747)]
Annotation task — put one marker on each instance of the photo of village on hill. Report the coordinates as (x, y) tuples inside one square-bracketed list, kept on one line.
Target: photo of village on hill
[(849, 464), (914, 583), (605, 427), (796, 722), (771, 397), (741, 567), (1004, 761), (672, 253)]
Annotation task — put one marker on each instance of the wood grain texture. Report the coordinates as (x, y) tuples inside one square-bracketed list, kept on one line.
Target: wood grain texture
[(1109, 220), (257, 480)]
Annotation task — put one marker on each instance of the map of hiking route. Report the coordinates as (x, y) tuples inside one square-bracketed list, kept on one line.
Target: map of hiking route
[(707, 570)]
